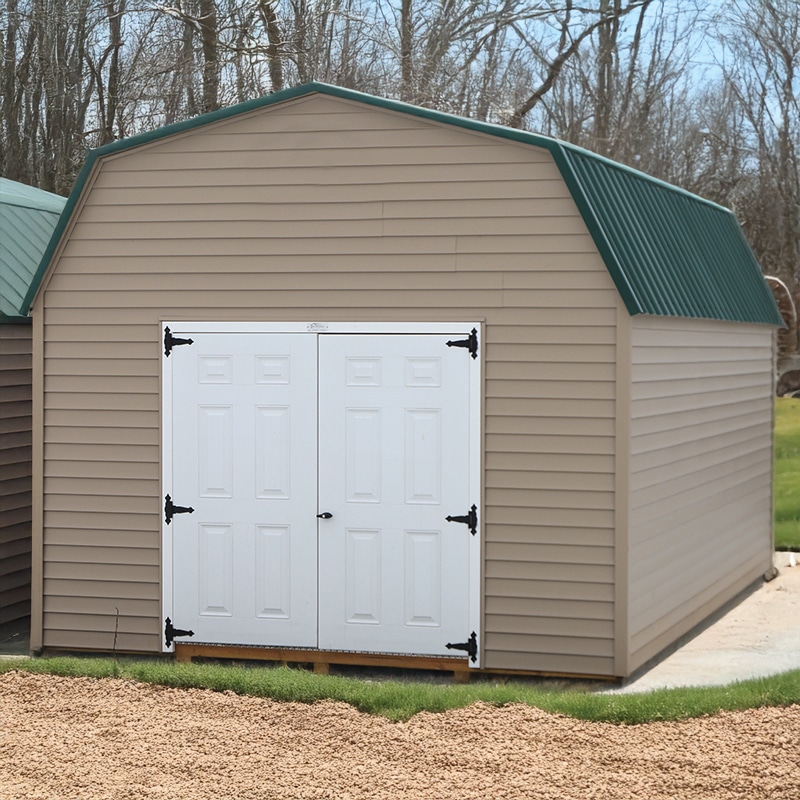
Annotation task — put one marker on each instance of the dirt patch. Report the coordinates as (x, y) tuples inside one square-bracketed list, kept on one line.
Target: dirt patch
[(91, 739)]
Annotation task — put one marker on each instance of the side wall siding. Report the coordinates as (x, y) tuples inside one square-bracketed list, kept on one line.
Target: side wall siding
[(326, 210), (15, 471), (701, 470)]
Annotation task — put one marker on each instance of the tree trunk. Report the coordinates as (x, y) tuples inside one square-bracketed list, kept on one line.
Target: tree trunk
[(272, 26), (607, 47), (406, 50), (210, 45)]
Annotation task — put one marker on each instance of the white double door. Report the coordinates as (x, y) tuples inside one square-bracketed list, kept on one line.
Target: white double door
[(321, 469)]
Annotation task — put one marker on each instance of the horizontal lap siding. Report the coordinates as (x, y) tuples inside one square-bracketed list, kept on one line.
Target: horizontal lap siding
[(701, 466), (15, 471), (339, 213)]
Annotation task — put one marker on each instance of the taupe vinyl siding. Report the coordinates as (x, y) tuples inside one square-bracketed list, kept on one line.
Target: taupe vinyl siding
[(322, 219), (15, 471), (701, 467)]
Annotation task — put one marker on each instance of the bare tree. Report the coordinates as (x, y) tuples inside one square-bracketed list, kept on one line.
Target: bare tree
[(762, 71), (46, 92), (572, 26), (268, 11), (18, 47), (106, 73), (450, 51)]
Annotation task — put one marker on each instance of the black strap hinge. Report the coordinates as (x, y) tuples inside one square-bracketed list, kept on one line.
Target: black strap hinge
[(170, 633), (470, 646), (170, 509), (471, 343), (469, 519), (171, 341)]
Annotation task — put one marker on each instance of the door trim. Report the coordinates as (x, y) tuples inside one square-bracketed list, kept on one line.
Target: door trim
[(317, 328), (320, 327)]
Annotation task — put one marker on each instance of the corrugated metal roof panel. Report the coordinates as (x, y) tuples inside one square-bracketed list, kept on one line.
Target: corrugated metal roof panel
[(27, 219), (671, 253)]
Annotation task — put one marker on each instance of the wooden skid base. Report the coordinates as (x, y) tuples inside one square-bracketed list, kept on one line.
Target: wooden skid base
[(323, 659)]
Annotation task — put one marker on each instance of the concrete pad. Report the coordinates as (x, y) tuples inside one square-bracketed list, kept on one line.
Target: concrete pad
[(757, 638)]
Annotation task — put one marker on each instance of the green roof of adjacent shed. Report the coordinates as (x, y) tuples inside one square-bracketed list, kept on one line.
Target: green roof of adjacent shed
[(669, 252), (27, 219)]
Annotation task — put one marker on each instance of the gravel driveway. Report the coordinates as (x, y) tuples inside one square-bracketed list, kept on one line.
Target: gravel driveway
[(85, 739)]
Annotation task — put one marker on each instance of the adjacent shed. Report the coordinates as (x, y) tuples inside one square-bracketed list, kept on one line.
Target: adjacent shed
[(332, 376), (27, 219)]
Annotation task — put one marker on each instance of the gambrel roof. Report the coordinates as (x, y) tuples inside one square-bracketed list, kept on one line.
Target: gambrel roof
[(669, 252)]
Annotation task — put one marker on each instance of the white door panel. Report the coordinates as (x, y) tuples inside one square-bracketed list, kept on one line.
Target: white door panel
[(244, 431), (394, 455)]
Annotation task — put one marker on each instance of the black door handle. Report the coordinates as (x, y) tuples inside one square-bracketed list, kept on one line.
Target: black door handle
[(325, 515)]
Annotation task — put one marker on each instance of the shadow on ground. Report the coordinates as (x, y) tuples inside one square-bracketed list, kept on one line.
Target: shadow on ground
[(15, 637)]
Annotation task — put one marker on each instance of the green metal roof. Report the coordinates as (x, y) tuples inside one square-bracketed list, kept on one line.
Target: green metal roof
[(27, 219), (669, 252)]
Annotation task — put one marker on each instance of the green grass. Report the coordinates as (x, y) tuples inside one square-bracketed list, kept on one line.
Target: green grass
[(786, 481), (400, 700)]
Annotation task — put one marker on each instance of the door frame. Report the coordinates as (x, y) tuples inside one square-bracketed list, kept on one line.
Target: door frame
[(181, 329)]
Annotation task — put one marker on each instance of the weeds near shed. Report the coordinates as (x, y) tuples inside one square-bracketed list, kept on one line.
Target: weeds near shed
[(114, 648), (400, 700)]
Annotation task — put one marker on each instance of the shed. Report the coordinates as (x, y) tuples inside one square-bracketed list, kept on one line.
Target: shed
[(27, 219), (326, 377)]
